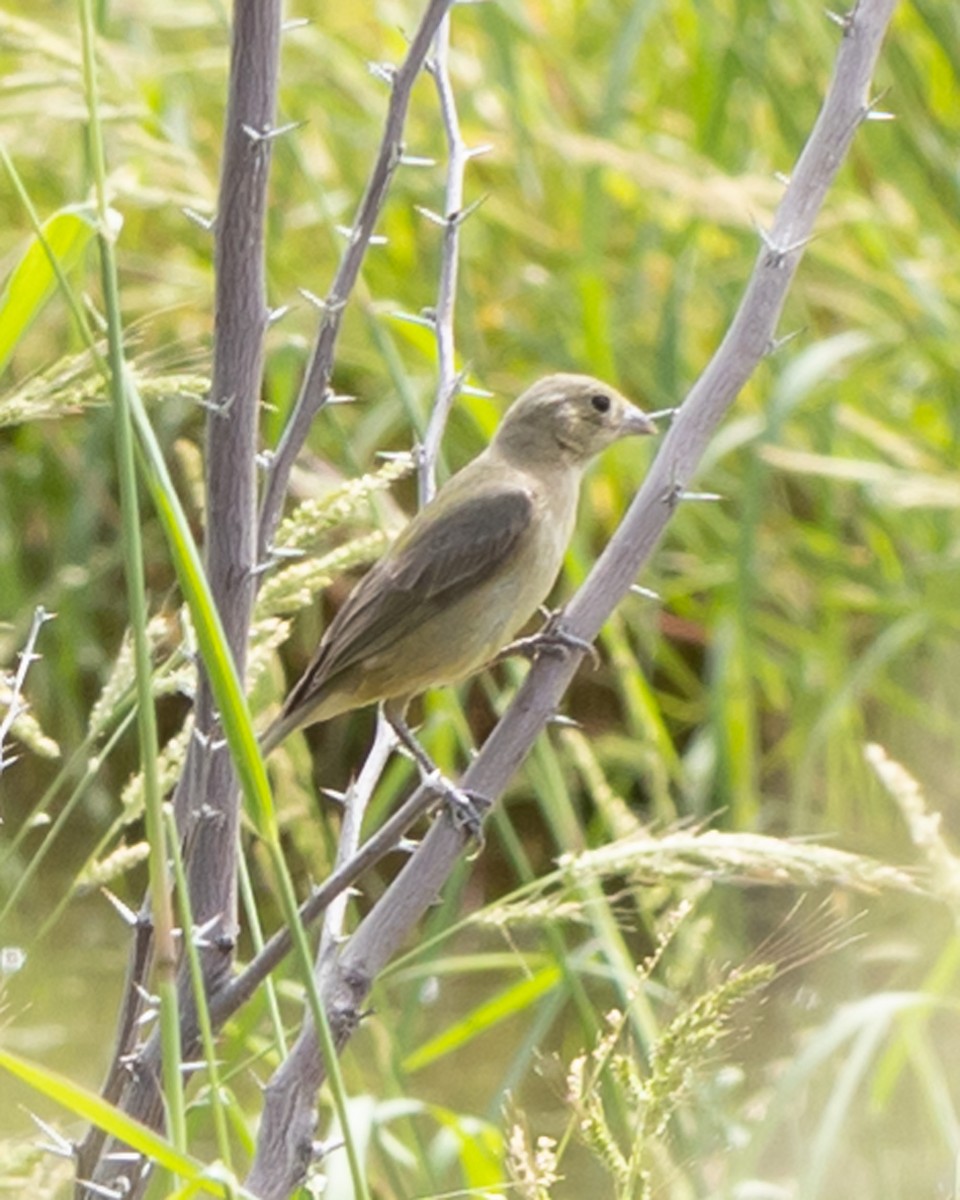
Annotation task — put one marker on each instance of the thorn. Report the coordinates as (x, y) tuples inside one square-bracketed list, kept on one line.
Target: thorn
[(312, 298), (99, 1189), (336, 398), (415, 319), (711, 496), (287, 552), (476, 151), (385, 72), (470, 390), (647, 593), (870, 111), (270, 135), (277, 314), (58, 1144), (353, 235), (777, 253), (416, 160), (264, 459), (220, 407), (782, 177), (564, 721), (187, 1068), (408, 845), (207, 224), (199, 933), (844, 20), (662, 413), (55, 1150), (126, 913), (776, 344), (458, 218), (123, 1156), (320, 1150), (332, 794), (295, 23), (430, 215)]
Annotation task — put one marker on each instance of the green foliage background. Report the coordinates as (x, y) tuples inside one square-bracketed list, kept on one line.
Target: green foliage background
[(811, 610)]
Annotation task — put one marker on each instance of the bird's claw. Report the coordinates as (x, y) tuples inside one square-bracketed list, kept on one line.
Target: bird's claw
[(551, 639), (465, 808)]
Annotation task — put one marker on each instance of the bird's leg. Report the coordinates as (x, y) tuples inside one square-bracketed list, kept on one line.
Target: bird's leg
[(466, 808), (552, 639)]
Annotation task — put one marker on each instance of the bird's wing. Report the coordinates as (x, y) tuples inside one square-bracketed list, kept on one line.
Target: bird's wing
[(432, 564)]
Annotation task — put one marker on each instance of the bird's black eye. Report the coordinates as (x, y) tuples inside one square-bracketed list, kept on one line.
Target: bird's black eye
[(600, 402)]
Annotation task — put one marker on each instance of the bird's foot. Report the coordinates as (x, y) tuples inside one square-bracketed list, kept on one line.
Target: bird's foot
[(551, 639), (465, 808)]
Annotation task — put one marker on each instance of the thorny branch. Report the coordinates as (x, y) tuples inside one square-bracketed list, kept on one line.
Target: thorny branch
[(236, 541), (17, 705), (316, 383), (750, 335), (206, 800), (287, 1141), (292, 1085), (458, 155), (290, 1097), (748, 339)]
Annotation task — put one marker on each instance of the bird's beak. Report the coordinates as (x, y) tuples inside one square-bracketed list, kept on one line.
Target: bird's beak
[(636, 421)]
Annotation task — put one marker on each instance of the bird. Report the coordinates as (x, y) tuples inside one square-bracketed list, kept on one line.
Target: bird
[(470, 569)]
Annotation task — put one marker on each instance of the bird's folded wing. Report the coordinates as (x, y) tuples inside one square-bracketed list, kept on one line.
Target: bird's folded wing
[(429, 569)]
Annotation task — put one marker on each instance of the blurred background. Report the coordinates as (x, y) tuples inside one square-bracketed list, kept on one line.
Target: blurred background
[(808, 612)]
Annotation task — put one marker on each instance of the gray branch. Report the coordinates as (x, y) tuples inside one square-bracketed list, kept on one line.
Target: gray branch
[(285, 1137), (209, 784), (448, 381), (17, 705), (316, 382), (207, 799), (750, 336)]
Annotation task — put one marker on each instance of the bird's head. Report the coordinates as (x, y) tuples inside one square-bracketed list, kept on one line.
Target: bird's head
[(566, 420)]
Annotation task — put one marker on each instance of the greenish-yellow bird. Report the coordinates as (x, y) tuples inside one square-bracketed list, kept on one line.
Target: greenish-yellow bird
[(473, 565)]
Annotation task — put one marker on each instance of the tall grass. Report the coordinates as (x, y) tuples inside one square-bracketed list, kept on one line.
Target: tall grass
[(806, 614)]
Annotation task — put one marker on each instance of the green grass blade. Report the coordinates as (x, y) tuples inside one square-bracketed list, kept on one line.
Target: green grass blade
[(226, 685), (87, 1106), (32, 282)]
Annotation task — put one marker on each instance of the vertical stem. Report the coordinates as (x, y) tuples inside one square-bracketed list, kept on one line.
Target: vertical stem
[(165, 957), (208, 801), (449, 381)]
